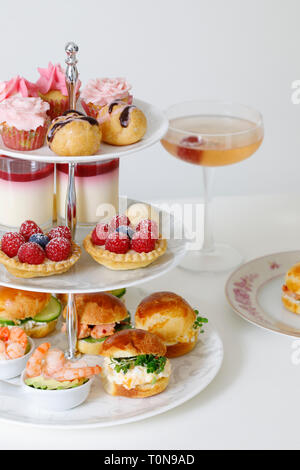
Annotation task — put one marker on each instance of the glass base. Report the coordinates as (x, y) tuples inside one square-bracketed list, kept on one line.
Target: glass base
[(222, 258)]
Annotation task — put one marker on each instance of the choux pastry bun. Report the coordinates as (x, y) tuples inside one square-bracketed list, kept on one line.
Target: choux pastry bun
[(74, 134), (122, 124)]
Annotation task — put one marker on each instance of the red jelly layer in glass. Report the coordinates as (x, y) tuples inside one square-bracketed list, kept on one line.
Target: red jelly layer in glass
[(90, 169), (22, 171)]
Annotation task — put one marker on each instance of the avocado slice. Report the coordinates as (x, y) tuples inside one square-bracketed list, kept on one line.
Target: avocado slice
[(50, 313), (125, 324), (51, 384), (118, 292), (95, 340)]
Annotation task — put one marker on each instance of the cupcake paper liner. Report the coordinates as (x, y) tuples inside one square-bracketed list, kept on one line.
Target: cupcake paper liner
[(91, 109), (24, 140), (57, 108)]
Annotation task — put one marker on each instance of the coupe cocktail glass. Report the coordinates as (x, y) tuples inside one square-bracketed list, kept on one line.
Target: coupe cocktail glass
[(212, 134)]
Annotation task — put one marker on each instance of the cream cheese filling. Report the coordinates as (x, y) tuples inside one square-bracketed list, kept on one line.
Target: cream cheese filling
[(135, 376)]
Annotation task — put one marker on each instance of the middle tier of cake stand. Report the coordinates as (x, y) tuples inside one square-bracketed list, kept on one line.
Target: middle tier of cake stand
[(87, 276)]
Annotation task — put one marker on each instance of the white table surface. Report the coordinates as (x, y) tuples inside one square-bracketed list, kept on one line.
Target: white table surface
[(254, 401)]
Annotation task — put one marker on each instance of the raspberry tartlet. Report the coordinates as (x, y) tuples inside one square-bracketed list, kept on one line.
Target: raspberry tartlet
[(121, 246), (31, 253)]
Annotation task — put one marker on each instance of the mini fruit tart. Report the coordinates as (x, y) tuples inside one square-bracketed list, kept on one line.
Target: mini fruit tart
[(119, 246), (31, 253)]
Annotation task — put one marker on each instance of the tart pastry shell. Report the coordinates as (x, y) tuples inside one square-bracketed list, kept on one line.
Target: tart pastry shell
[(130, 260), (48, 268)]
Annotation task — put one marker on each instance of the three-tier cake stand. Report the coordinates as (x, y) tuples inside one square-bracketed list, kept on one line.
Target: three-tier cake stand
[(192, 373), (87, 276)]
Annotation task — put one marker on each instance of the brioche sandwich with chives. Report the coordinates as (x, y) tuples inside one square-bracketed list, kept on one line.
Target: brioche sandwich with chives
[(135, 365)]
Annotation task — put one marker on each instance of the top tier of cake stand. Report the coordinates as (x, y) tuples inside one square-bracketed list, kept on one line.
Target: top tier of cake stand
[(157, 125)]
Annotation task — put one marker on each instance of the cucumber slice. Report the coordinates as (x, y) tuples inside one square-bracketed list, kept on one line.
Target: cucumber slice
[(6, 322), (50, 313), (125, 325), (118, 292), (94, 340)]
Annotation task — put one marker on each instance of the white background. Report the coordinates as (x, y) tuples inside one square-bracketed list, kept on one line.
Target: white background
[(173, 50)]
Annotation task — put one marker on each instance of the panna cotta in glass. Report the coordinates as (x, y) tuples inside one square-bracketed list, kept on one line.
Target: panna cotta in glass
[(97, 191), (26, 192)]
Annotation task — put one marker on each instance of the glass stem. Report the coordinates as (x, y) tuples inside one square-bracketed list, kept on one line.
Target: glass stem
[(208, 242)]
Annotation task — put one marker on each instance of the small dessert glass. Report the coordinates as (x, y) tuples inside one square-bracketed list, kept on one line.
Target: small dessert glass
[(97, 191), (26, 192)]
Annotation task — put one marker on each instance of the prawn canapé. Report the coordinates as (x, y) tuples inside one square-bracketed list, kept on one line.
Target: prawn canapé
[(49, 367), (13, 343)]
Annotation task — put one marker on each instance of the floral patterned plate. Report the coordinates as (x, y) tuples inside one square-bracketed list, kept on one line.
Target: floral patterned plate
[(254, 293)]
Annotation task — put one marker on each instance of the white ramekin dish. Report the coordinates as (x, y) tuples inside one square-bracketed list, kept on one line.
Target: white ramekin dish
[(52, 400), (12, 368)]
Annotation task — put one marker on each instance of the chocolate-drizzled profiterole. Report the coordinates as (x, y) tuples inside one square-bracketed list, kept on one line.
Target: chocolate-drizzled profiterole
[(74, 134), (121, 123)]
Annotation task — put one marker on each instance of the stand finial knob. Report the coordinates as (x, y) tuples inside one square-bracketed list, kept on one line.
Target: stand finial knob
[(71, 72), (71, 48)]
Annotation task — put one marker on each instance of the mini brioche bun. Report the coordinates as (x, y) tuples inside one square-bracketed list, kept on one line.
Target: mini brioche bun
[(63, 298), (42, 330), (99, 308), (93, 349), (292, 279), (133, 342), (140, 391), (171, 318), (18, 304), (291, 304)]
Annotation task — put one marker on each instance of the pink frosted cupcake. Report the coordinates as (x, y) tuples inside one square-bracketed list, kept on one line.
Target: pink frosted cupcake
[(52, 88), (24, 122), (102, 91), (17, 86)]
